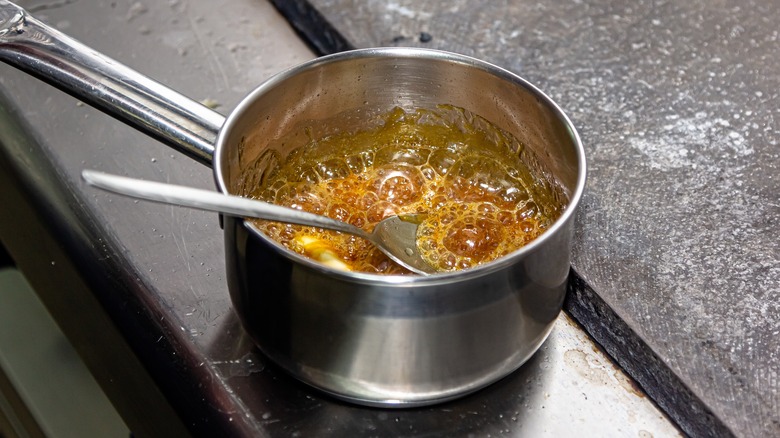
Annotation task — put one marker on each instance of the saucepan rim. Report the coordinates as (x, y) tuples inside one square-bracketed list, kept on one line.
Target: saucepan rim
[(239, 113)]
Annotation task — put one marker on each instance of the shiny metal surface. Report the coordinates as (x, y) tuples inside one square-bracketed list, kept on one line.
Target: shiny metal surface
[(383, 340), (395, 341), (159, 270), (399, 235), (394, 236)]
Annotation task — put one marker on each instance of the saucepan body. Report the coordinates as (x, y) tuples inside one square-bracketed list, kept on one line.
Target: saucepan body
[(395, 340)]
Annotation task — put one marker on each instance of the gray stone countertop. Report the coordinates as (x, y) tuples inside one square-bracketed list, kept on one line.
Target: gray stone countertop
[(677, 105), (140, 288)]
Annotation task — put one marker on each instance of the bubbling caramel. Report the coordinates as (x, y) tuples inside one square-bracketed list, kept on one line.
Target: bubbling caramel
[(482, 199)]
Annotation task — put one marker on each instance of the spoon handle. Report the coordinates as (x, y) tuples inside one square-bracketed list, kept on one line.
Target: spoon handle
[(212, 201)]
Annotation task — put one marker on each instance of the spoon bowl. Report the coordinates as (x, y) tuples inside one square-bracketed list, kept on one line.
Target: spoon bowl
[(395, 236)]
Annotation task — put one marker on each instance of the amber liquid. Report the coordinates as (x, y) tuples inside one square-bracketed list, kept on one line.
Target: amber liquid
[(482, 199)]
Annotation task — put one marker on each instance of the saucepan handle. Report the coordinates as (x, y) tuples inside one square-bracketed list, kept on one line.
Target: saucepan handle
[(147, 105)]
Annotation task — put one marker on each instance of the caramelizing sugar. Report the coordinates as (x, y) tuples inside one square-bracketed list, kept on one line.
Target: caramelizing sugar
[(482, 199)]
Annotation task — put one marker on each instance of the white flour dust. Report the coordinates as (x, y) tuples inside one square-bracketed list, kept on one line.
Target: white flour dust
[(690, 142)]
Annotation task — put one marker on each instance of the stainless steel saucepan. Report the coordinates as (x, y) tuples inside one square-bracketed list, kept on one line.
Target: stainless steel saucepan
[(376, 340)]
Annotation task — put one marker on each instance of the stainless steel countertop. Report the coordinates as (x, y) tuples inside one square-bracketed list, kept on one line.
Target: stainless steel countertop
[(140, 288)]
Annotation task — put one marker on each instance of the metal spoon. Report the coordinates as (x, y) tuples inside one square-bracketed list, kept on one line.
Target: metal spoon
[(396, 236)]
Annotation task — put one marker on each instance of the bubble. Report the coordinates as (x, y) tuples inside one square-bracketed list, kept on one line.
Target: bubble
[(367, 200), (448, 262), (355, 163), (486, 208), (447, 217), (527, 226), (428, 172), (512, 196), (339, 211), (442, 160), (336, 168), (379, 211), (439, 201), (401, 154), (505, 217), (307, 202), (358, 219), (474, 239), (528, 210), (310, 176), (399, 184)]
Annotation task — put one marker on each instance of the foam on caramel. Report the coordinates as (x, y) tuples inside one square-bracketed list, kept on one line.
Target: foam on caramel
[(483, 200)]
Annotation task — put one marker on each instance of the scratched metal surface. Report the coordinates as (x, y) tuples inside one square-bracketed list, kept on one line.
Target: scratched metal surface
[(217, 51), (677, 106)]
